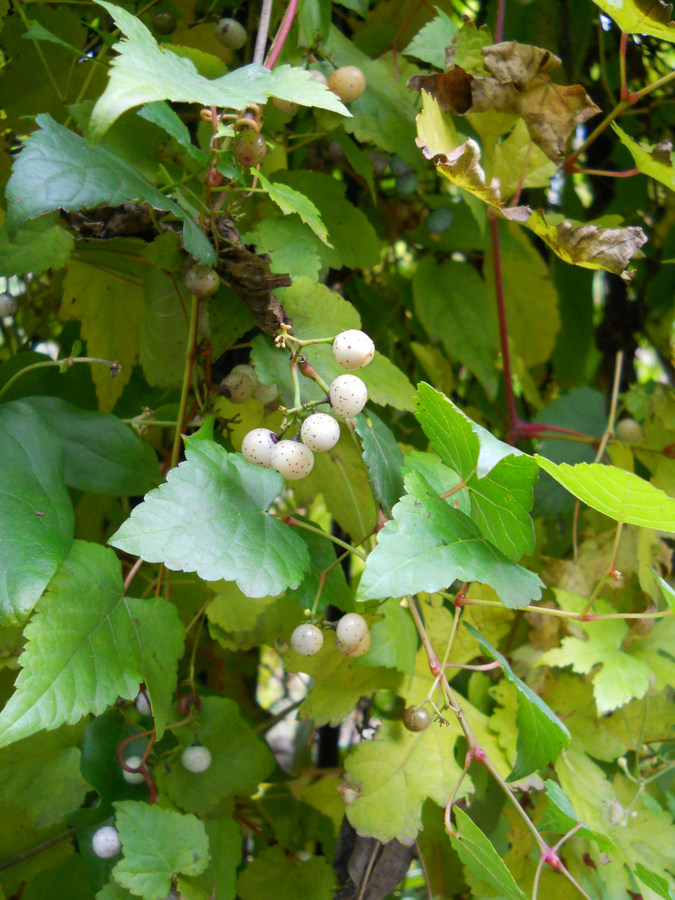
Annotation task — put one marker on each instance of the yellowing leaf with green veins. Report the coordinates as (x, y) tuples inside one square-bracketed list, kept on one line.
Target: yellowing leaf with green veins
[(618, 494), (396, 772), (651, 17)]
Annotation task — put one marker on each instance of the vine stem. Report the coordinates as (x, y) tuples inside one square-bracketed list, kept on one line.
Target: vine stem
[(566, 614), (67, 362), (291, 520), (282, 34), (499, 21), (263, 30), (45, 845), (187, 378)]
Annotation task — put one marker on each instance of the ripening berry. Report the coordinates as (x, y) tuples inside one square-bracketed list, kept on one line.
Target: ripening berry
[(629, 431), (353, 349), (292, 459), (237, 386), (307, 640), (196, 758), (202, 281), (287, 107), (348, 82), (134, 762), (231, 33), (106, 842), (257, 447), (248, 147), (351, 630), (320, 432), (416, 719), (265, 393), (348, 395), (317, 75), (362, 647)]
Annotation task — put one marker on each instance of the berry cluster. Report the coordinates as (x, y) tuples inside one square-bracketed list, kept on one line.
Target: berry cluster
[(242, 383), (347, 395), (352, 637)]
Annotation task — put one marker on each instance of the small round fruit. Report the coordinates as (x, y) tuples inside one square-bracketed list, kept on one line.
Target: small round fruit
[(143, 704), (307, 640), (134, 762), (317, 75), (292, 459), (438, 220), (248, 147), (164, 22), (353, 349), (348, 82), (266, 393), (362, 647), (287, 107), (8, 305), (237, 387), (106, 842), (629, 431), (348, 395), (196, 758), (257, 447), (408, 183), (416, 719), (320, 432), (202, 281), (351, 629), (231, 34)]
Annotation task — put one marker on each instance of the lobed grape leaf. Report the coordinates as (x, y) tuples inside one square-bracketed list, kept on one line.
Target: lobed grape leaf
[(394, 639), (618, 494), (157, 844), (428, 545), (395, 773), (430, 42), (36, 521), (37, 246), (143, 72), (87, 644), (291, 201), (210, 517), (220, 876), (559, 817), (541, 734), (481, 858), (382, 457), (291, 878)]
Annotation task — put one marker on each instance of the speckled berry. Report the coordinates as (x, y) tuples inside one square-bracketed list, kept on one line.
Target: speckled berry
[(307, 640), (320, 432), (237, 387), (292, 459), (348, 395), (106, 842), (196, 758), (231, 33), (348, 82), (257, 447), (353, 349), (351, 629)]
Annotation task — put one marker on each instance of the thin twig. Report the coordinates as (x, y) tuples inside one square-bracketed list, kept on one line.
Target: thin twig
[(263, 30)]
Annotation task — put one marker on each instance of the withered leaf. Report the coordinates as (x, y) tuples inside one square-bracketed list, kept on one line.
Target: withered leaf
[(518, 85), (594, 247)]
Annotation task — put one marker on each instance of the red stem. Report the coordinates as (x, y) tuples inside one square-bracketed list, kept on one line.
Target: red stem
[(282, 34), (503, 331), (499, 21)]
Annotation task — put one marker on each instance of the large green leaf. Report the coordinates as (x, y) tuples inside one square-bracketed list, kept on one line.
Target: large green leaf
[(88, 644), (559, 817), (657, 165), (481, 858), (618, 494), (292, 879), (55, 171), (37, 246), (428, 545), (240, 760), (499, 478), (157, 844), (541, 734), (36, 515), (210, 517), (383, 459), (102, 454), (144, 72), (225, 844)]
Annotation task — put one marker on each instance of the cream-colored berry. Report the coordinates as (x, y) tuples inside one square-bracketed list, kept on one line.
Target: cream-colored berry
[(292, 459), (307, 639), (348, 395), (257, 447), (348, 82), (320, 432), (353, 349)]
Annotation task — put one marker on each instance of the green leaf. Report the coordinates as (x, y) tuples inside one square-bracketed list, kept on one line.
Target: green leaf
[(102, 454), (559, 817), (335, 590), (657, 883), (453, 304), (667, 590), (210, 517), (290, 201), (35, 247), (161, 114), (157, 844), (428, 545), (656, 162), (481, 858), (394, 639), (87, 644), (635, 17), (429, 44), (53, 171), (143, 72), (240, 760), (239, 622), (499, 478), (60, 786), (36, 515), (383, 459), (225, 845), (395, 773), (541, 734), (292, 879), (618, 494)]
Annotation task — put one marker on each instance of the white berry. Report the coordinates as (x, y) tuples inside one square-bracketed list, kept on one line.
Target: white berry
[(292, 459), (238, 386), (320, 432), (307, 640), (348, 395), (353, 349), (629, 431), (134, 762), (196, 758), (8, 305), (351, 629), (106, 842), (362, 647), (257, 447), (143, 704)]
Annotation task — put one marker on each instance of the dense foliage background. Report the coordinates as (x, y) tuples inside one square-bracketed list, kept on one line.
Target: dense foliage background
[(496, 211)]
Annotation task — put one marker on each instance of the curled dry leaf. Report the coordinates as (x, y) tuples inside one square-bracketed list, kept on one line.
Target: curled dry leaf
[(518, 85)]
